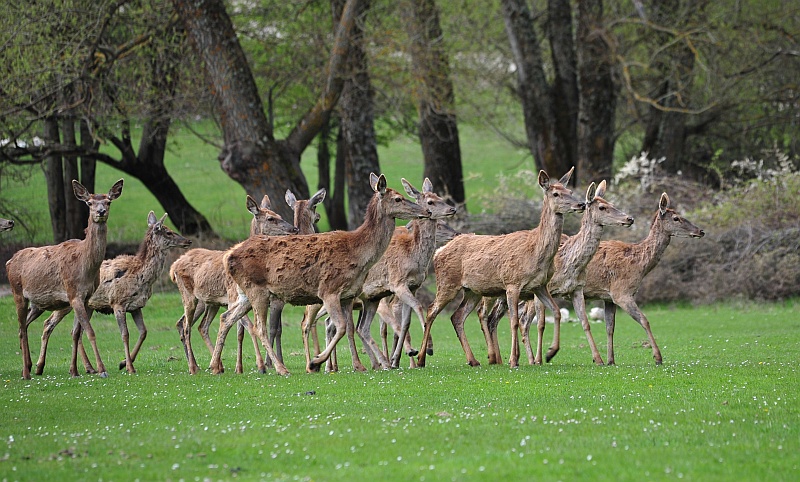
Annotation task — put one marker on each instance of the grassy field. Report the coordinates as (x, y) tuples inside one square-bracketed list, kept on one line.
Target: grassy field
[(724, 406)]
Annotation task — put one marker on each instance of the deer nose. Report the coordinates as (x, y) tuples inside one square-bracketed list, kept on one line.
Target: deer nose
[(295, 230), (629, 220)]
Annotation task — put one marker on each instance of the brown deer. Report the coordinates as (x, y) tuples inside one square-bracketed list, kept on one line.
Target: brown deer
[(6, 224), (568, 277), (616, 271), (401, 270), (50, 278), (302, 270), (518, 265), (393, 312), (204, 286), (126, 284)]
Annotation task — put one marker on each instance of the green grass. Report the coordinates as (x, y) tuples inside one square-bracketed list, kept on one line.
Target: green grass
[(724, 406), (194, 167)]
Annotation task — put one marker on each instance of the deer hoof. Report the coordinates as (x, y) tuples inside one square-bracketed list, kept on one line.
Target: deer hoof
[(474, 363), (429, 351), (122, 365), (313, 367), (413, 353)]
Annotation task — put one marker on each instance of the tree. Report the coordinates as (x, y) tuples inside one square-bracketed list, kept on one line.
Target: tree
[(251, 154)]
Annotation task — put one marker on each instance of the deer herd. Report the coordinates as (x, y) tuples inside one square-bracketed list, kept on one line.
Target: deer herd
[(374, 269)]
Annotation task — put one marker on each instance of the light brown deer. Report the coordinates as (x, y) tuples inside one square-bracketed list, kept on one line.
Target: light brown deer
[(204, 286), (328, 267), (401, 271), (6, 224), (616, 271), (568, 278), (394, 313), (305, 220), (518, 265), (126, 284), (50, 278)]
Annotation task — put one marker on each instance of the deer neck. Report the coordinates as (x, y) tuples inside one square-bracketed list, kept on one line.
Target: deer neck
[(151, 259), (551, 224), (94, 244), (373, 236), (579, 249), (424, 241), (654, 245)]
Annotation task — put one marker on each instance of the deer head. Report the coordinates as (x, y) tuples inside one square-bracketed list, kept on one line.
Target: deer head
[(429, 199), (393, 203), (604, 213), (311, 205), (673, 223), (163, 236), (98, 203), (557, 196), (266, 221)]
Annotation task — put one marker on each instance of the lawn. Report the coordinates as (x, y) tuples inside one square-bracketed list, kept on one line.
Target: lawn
[(724, 406)]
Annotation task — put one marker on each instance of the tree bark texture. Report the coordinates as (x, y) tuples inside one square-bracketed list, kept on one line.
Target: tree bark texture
[(597, 100), (438, 129), (251, 155), (54, 177), (359, 144)]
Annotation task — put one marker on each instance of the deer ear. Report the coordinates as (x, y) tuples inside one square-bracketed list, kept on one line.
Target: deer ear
[(163, 218), (378, 183), (663, 203), (318, 197), (290, 198), (151, 219), (265, 202), (80, 192), (252, 206), (115, 191), (590, 193), (544, 180), (565, 178), (427, 186), (410, 190), (601, 189)]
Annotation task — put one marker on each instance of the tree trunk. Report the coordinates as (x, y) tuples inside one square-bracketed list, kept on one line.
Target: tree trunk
[(77, 211), (54, 175), (251, 155), (565, 85), (596, 114), (438, 130), (548, 150), (334, 200), (359, 146)]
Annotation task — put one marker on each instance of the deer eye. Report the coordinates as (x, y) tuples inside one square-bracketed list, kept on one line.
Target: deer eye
[(430, 203), (602, 208), (555, 194), (398, 200), (270, 218), (676, 218)]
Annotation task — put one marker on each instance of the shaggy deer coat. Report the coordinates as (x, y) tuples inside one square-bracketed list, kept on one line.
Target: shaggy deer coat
[(328, 267), (616, 271), (518, 265), (50, 278), (126, 284)]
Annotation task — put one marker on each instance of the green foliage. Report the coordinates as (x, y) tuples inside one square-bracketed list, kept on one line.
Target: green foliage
[(723, 406)]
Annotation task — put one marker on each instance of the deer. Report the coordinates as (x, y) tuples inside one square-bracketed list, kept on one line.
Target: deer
[(518, 265), (6, 224), (401, 271), (204, 286), (326, 268), (615, 273), (50, 278), (126, 284), (394, 312), (567, 281)]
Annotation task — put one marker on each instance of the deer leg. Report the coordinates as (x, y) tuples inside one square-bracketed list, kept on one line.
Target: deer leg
[(139, 321), (255, 334), (82, 316), (333, 305), (609, 313), (533, 311), (485, 318), (309, 320), (276, 327), (406, 301), (184, 327), (87, 365), (468, 304), (579, 304), (376, 356), (332, 363), (209, 312), (49, 325), (119, 314), (22, 305), (544, 296), (630, 306), (261, 307), (240, 328), (232, 315), (351, 342), (512, 298), (443, 297)]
